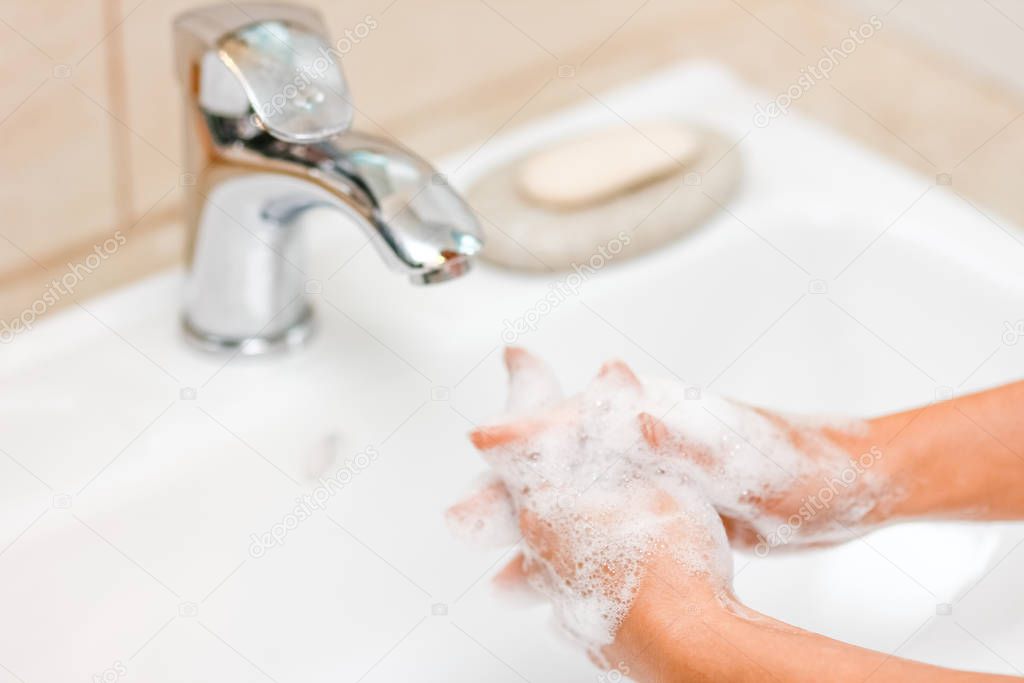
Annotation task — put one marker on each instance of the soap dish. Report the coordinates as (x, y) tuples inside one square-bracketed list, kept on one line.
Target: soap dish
[(524, 232)]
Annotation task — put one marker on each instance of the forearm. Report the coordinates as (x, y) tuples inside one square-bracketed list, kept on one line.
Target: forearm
[(960, 459), (729, 648)]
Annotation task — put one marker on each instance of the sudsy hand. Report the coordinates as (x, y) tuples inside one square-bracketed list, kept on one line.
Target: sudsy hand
[(622, 497), (628, 475), (609, 539)]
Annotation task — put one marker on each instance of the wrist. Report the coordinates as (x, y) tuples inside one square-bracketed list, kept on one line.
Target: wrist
[(716, 644), (858, 491), (680, 631), (940, 464), (924, 473)]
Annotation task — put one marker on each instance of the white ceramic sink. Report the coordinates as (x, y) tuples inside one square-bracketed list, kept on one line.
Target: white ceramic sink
[(128, 507)]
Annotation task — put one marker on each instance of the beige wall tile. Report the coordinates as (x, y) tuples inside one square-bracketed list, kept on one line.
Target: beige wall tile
[(56, 168), (153, 101)]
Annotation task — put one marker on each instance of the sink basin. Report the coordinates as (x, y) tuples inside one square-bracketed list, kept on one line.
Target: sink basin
[(170, 515)]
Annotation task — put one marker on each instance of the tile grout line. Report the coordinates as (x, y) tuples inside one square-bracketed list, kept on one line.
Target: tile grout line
[(122, 173)]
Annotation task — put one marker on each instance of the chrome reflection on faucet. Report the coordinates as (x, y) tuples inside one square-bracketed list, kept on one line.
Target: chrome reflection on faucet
[(267, 137)]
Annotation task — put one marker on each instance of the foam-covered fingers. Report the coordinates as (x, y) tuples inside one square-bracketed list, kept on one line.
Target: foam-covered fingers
[(489, 496), (662, 504), (662, 439), (740, 533), (495, 436), (654, 431), (616, 375), (486, 517), (513, 574), (544, 539), (618, 369), (533, 386), (513, 580), (520, 430)]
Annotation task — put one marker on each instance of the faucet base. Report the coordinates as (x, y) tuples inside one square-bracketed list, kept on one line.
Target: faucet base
[(292, 337)]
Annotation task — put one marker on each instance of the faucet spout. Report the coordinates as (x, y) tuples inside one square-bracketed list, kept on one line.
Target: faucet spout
[(267, 138), (415, 221)]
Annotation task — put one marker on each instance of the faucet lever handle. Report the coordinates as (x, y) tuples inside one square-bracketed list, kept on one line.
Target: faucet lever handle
[(289, 74)]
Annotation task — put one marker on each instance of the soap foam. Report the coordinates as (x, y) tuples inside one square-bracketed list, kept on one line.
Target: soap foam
[(602, 499)]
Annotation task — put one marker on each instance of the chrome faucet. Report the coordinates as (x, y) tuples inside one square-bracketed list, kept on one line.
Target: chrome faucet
[(267, 117)]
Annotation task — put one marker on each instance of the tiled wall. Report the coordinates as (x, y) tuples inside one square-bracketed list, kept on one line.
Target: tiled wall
[(58, 145), (90, 139), (987, 35)]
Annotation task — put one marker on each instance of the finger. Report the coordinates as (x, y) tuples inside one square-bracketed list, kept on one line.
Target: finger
[(549, 542), (615, 375), (507, 433), (740, 533), (661, 438), (513, 574), (533, 386), (513, 581), (654, 431), (486, 517), (542, 538), (490, 495), (494, 436), (619, 370)]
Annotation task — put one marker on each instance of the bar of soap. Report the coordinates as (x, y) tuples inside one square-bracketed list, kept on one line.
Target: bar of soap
[(525, 234), (612, 161)]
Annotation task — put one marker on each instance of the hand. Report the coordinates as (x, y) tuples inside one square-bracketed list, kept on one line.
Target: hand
[(777, 481), (609, 547), (615, 490)]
